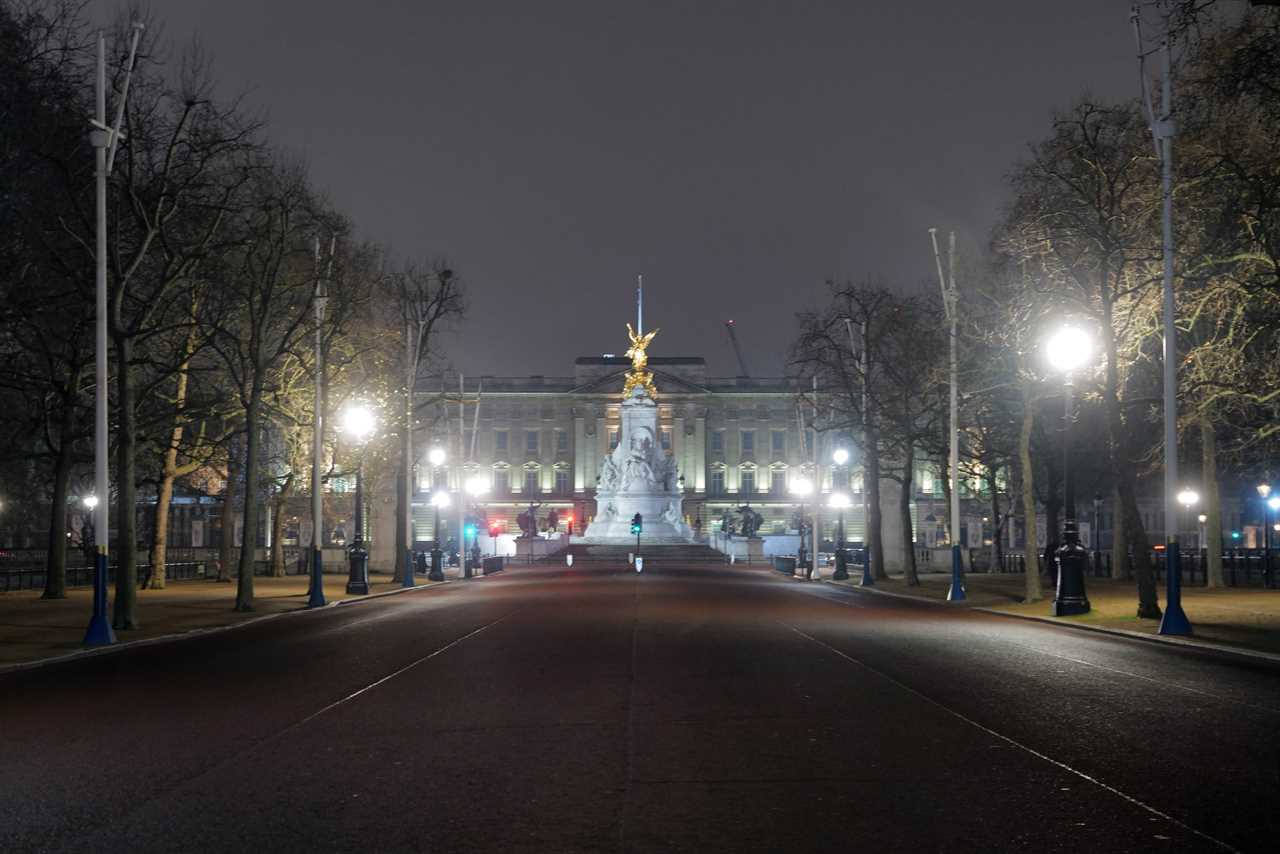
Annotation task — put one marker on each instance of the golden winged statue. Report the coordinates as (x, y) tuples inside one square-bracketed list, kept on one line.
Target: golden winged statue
[(639, 376)]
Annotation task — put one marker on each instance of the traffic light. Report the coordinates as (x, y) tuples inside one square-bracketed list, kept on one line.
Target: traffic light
[(494, 528), (568, 527), (470, 529), (637, 523)]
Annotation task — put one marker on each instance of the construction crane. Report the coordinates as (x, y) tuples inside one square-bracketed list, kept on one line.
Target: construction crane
[(742, 363)]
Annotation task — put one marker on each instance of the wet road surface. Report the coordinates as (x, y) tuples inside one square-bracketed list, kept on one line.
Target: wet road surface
[(689, 708)]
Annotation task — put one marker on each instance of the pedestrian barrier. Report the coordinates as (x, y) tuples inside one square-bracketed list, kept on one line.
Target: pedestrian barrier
[(32, 578)]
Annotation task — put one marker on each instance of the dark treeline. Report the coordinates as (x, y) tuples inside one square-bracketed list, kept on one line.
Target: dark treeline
[(1080, 243), (217, 242)]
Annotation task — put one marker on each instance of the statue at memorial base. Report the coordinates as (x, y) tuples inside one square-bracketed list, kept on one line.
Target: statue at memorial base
[(638, 476)]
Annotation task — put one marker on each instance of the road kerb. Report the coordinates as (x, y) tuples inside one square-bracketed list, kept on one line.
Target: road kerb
[(1190, 643), (192, 633)]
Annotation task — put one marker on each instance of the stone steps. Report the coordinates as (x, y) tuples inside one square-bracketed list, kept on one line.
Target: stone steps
[(665, 552)]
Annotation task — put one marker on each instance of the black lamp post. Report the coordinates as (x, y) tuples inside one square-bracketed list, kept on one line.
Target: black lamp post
[(358, 421), (839, 501), (1067, 350), (436, 457)]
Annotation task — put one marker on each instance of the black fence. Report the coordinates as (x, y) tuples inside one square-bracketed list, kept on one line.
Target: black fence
[(1240, 567), (33, 578)]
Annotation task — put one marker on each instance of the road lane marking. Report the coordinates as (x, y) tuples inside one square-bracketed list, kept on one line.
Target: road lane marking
[(450, 645), (1095, 781)]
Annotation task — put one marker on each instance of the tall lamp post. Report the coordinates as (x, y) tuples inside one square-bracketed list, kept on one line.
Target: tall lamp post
[(104, 139), (436, 456), (1067, 350), (802, 488), (1274, 503), (1188, 498), (358, 422), (839, 501), (475, 486), (439, 501), (1201, 547)]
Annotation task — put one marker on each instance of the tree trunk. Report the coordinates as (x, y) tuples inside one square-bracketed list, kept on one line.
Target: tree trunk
[(252, 467), (55, 571), (1052, 505), (126, 601), (1120, 567), (277, 527), (397, 573), (227, 547), (169, 469), (904, 511), (875, 515), (1030, 550), (1212, 545), (997, 550)]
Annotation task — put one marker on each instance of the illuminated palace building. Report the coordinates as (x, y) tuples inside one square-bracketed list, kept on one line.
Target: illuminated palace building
[(543, 439)]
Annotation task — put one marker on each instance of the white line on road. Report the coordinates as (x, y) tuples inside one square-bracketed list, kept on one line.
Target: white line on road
[(1095, 781)]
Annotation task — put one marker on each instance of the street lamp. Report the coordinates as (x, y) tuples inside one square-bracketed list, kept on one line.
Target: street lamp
[(1274, 503), (1202, 518), (475, 486), (1188, 498), (90, 502), (358, 422), (439, 501), (802, 488), (436, 456), (839, 501), (1068, 349)]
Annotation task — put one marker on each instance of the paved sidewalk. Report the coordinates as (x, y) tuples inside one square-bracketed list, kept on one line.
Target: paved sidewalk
[(1246, 617), (32, 628)]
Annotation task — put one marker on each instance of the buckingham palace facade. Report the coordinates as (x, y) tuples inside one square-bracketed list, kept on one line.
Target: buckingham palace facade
[(542, 439)]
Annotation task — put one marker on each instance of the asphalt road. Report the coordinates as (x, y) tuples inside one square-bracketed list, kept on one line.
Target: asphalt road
[(694, 709)]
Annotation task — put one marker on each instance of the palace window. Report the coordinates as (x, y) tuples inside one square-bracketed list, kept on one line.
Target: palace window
[(717, 441), (613, 438), (748, 441), (717, 482), (747, 482), (665, 438), (562, 481), (778, 481), (500, 441), (501, 482), (531, 481), (531, 441), (779, 441), (562, 441)]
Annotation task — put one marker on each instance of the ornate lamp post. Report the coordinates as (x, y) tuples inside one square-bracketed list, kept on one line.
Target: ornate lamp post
[(436, 456), (1274, 503), (802, 488), (439, 500), (1188, 498), (1068, 349), (839, 501), (475, 486), (358, 422)]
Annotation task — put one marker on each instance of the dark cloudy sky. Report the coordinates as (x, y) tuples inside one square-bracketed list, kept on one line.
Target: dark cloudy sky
[(736, 152)]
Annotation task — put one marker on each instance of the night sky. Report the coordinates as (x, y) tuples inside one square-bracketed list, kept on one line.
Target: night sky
[(738, 154)]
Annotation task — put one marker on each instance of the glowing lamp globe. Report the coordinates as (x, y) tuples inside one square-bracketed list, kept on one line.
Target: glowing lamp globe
[(840, 501), (476, 485), (1069, 348), (1188, 497), (1274, 502), (440, 500), (802, 487), (358, 421), (840, 456), (436, 456), (91, 501)]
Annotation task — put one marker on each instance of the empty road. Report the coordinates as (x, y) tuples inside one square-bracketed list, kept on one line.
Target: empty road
[(694, 707)]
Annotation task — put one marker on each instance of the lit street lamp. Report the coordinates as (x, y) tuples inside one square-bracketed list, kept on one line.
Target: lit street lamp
[(802, 488), (358, 422), (1068, 349), (839, 501), (436, 456), (1188, 498), (439, 501), (475, 487), (1274, 503), (1200, 544)]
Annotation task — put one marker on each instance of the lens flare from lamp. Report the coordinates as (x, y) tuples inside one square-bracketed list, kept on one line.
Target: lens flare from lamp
[(1069, 348)]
